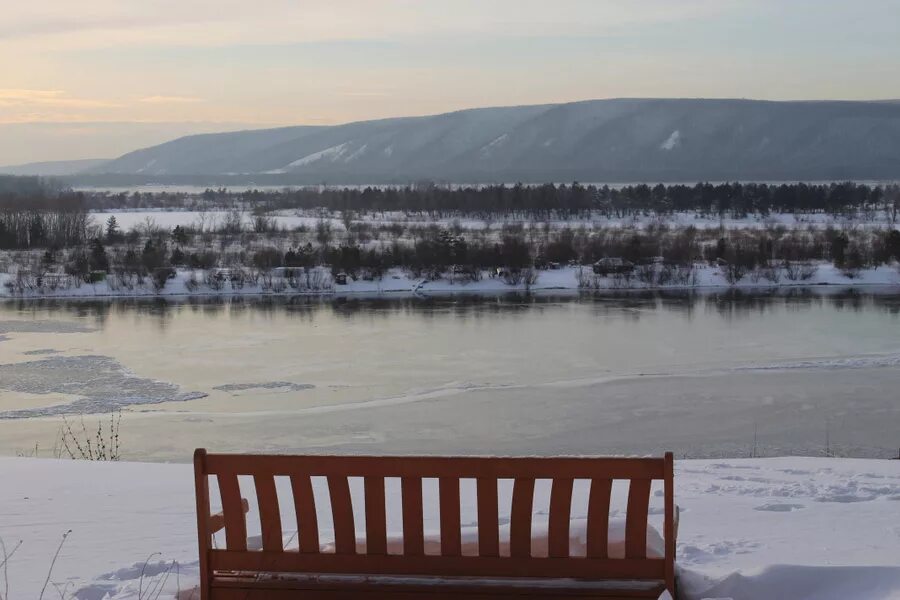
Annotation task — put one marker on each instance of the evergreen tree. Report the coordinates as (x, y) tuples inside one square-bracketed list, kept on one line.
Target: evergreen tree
[(178, 257), (180, 235), (839, 249), (112, 230), (154, 255), (98, 259)]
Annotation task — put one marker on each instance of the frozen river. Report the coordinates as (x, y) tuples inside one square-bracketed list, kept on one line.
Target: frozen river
[(712, 375)]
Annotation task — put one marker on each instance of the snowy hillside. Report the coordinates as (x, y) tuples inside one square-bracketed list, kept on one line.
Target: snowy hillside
[(599, 140), (772, 529)]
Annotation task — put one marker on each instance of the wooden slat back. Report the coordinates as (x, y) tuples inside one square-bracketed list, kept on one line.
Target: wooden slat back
[(232, 509), (269, 513), (520, 518), (598, 518), (305, 509), (413, 525), (376, 517), (342, 515), (636, 518), (448, 491), (560, 514), (488, 517)]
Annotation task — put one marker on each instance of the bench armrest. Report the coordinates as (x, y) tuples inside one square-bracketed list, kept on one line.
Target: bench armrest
[(217, 521)]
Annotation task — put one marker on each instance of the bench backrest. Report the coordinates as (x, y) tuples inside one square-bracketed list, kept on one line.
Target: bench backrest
[(486, 472)]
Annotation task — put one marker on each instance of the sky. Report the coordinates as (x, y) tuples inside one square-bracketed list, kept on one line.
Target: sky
[(97, 78)]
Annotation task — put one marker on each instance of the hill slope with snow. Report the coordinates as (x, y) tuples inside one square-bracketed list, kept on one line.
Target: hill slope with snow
[(598, 140)]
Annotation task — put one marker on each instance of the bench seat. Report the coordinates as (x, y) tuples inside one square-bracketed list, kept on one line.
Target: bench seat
[(275, 586)]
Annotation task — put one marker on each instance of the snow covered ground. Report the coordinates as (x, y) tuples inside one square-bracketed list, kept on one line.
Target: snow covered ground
[(773, 529), (399, 282), (289, 219)]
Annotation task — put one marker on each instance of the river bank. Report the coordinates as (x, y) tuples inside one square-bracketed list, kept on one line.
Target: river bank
[(397, 282)]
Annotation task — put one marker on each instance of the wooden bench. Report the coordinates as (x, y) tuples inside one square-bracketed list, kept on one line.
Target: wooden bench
[(237, 572)]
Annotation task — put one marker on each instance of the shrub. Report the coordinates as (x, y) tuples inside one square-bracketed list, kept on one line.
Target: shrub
[(102, 445)]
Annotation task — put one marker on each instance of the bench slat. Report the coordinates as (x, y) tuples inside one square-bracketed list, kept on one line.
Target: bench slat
[(670, 519), (269, 514), (411, 499), (204, 531), (488, 518), (560, 513), (598, 518), (376, 517), (437, 466), (305, 509), (342, 515), (337, 587), (233, 511), (474, 566), (520, 517), (636, 519), (451, 542)]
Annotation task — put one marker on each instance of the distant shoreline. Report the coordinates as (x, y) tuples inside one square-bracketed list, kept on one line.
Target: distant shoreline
[(442, 289)]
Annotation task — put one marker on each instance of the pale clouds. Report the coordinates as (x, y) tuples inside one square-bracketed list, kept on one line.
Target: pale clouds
[(170, 60), (22, 97), (284, 62), (29, 106), (106, 23), (170, 100)]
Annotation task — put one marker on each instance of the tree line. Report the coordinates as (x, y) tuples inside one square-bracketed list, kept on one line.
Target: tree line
[(37, 221), (435, 252), (538, 201)]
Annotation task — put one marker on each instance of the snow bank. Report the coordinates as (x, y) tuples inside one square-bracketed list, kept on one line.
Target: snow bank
[(399, 282), (779, 528), (793, 582)]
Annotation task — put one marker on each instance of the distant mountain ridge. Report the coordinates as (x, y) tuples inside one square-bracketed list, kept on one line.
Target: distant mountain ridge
[(53, 168), (596, 140)]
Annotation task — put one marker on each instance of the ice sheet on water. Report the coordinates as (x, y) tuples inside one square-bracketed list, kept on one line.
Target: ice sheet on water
[(43, 327), (100, 383), (849, 362), (269, 385)]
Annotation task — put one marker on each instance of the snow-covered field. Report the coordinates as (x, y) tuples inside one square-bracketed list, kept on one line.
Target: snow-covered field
[(772, 529), (289, 219)]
